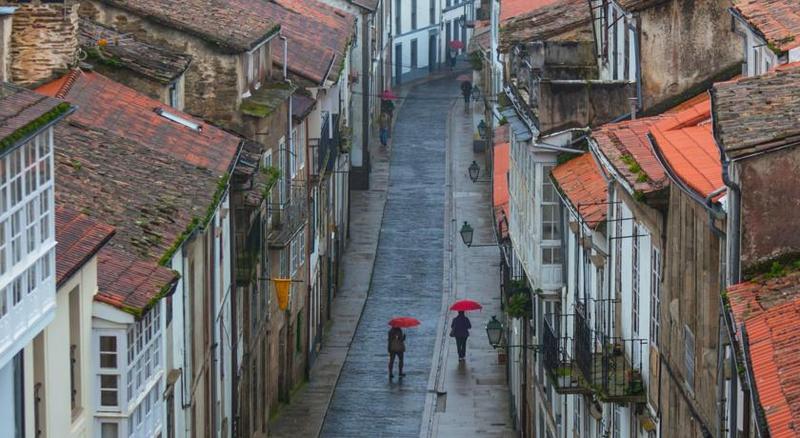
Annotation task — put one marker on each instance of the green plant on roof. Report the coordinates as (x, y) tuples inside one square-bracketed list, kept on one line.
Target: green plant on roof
[(75, 164), (273, 175), (33, 126)]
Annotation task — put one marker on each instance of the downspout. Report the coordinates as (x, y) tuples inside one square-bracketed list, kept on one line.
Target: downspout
[(234, 334), (365, 98), (637, 49), (212, 359)]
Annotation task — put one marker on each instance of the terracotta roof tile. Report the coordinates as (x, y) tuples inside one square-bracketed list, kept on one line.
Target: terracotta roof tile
[(769, 309), (638, 5), (79, 238), (582, 183), (20, 108), (500, 182), (626, 145), (111, 106), (148, 176), (778, 21), (544, 22), (756, 114), (685, 141), (155, 62), (512, 8), (233, 25)]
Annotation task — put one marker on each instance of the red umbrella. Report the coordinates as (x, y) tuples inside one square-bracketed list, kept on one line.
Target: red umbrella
[(388, 95), (462, 78), (456, 44), (404, 322), (465, 305)]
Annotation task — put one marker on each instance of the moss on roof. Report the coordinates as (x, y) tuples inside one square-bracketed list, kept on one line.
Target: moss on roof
[(267, 99)]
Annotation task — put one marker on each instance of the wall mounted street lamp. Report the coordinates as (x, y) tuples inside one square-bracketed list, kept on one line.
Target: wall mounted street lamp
[(495, 330), (475, 173), (466, 236)]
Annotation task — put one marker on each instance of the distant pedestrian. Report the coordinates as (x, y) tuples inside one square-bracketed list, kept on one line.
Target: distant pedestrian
[(459, 329), (387, 106), (397, 346), (385, 124), (450, 59), (466, 90)]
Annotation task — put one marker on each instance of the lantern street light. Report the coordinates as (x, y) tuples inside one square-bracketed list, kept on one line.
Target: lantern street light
[(482, 129), (475, 172), (494, 331), (466, 236)]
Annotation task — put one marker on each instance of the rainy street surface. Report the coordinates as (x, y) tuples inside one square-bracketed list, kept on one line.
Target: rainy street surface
[(407, 279)]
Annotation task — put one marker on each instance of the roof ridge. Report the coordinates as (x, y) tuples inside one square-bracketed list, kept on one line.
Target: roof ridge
[(72, 76)]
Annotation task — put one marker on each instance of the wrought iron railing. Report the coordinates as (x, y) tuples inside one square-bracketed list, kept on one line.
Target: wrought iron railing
[(620, 379), (288, 217), (563, 361)]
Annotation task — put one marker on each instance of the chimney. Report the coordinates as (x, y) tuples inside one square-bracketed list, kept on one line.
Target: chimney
[(44, 40), (6, 14)]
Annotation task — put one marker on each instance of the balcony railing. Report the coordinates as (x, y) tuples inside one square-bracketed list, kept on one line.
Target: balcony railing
[(287, 218), (564, 360), (620, 377)]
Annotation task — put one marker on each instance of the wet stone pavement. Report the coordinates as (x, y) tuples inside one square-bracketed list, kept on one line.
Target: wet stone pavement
[(407, 279)]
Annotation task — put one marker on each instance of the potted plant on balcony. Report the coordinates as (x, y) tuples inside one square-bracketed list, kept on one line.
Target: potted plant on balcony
[(635, 383), (519, 305)]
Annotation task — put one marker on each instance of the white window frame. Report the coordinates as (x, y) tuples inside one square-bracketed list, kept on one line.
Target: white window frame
[(635, 278), (551, 246), (655, 296), (105, 421), (106, 371)]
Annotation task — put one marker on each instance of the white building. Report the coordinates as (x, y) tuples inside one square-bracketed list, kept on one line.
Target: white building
[(27, 249), (765, 41), (421, 32)]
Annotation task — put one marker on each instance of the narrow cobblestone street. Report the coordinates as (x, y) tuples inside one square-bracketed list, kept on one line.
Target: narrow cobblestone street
[(407, 279)]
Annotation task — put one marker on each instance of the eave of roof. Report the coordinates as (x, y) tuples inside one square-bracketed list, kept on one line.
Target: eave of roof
[(777, 21), (79, 238), (548, 21), (23, 114), (581, 182)]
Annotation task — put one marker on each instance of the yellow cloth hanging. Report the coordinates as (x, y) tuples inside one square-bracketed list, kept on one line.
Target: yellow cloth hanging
[(282, 288)]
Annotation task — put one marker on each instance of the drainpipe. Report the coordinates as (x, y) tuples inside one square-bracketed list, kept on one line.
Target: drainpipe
[(285, 56), (637, 48), (734, 215), (713, 213)]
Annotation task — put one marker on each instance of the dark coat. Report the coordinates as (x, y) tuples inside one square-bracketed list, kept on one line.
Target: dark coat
[(461, 326), (396, 342)]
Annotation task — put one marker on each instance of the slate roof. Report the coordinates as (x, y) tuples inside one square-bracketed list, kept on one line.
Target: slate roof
[(22, 112), (232, 25), (318, 37), (626, 146), (154, 62), (582, 183), (685, 143), (371, 5), (769, 309), (301, 105), (757, 114), (638, 5), (778, 21), (545, 22), (79, 238), (151, 178)]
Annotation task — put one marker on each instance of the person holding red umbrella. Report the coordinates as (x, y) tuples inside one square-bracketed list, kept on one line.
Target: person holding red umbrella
[(460, 326), (397, 342)]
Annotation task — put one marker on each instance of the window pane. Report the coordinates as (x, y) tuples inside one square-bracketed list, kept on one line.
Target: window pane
[(108, 343), (108, 398), (109, 430)]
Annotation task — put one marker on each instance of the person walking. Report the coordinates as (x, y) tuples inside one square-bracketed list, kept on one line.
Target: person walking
[(397, 346), (384, 123), (459, 329), (466, 90)]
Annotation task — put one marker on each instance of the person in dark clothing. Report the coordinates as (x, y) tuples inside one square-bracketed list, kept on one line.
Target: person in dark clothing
[(459, 329), (397, 346), (385, 123), (466, 90)]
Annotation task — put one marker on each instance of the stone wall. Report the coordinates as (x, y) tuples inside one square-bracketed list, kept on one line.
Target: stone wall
[(769, 207), (685, 43), (213, 82), (689, 299), (5, 47), (44, 39), (577, 104)]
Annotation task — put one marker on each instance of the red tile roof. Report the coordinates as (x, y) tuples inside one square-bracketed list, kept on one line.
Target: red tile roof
[(318, 35), (778, 21), (626, 145), (582, 183), (512, 8), (129, 283), (500, 184), (685, 141), (759, 113), (20, 109), (545, 21), (113, 107), (232, 25), (770, 312), (148, 176), (79, 238)]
